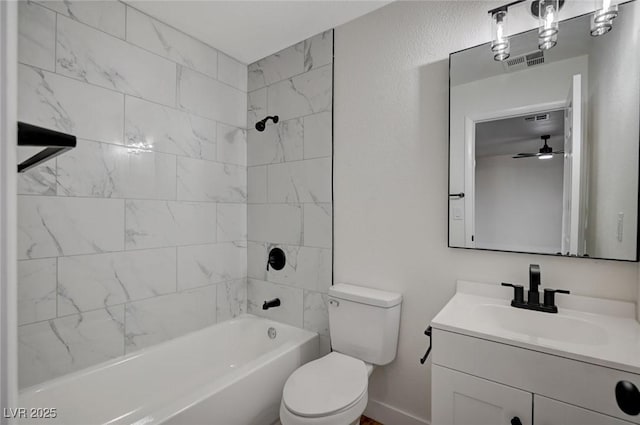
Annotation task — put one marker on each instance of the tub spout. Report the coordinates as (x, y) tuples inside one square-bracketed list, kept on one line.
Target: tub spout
[(272, 303)]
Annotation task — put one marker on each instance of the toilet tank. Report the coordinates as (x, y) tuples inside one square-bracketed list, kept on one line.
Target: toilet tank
[(364, 322)]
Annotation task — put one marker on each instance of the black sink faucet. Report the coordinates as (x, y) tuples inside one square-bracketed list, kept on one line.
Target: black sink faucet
[(534, 283), (533, 295)]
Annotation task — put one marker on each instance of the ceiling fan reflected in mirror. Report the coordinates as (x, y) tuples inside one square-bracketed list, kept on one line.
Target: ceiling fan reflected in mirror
[(546, 152)]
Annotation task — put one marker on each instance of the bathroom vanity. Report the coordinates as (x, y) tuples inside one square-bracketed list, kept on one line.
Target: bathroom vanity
[(494, 364)]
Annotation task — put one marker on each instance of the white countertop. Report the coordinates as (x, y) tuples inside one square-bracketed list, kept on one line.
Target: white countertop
[(598, 331)]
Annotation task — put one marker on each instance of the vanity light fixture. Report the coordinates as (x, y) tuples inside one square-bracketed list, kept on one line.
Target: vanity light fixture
[(548, 23), (547, 12), (500, 43), (606, 12), (602, 19)]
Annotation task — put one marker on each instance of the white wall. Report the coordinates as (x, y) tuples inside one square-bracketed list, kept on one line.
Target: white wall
[(613, 102), (390, 183), (500, 93), (519, 203)]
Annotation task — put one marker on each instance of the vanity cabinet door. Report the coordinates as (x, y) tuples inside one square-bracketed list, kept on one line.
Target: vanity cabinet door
[(462, 399), (552, 412)]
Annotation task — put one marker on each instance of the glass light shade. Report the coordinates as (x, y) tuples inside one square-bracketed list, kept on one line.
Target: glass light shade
[(548, 23), (605, 12), (500, 44), (546, 156), (548, 42), (600, 28)]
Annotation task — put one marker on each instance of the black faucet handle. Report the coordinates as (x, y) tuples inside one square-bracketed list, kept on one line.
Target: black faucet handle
[(557, 291), (518, 292), (549, 298)]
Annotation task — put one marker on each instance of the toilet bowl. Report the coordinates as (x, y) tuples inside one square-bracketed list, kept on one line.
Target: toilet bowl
[(329, 391), (332, 390)]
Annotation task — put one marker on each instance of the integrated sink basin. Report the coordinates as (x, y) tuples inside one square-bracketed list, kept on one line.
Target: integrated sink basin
[(598, 331), (533, 325)]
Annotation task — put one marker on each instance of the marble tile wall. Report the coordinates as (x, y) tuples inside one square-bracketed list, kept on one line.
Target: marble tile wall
[(139, 234), (289, 183)]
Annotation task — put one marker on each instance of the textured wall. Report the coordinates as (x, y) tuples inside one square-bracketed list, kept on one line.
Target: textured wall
[(138, 235), (614, 86), (289, 182), (390, 180)]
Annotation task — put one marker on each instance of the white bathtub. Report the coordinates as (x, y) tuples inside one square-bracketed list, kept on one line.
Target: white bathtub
[(231, 373)]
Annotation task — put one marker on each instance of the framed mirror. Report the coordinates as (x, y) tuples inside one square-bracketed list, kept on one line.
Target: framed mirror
[(544, 146)]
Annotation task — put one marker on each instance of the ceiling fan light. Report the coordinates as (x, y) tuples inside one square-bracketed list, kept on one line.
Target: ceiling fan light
[(546, 156)]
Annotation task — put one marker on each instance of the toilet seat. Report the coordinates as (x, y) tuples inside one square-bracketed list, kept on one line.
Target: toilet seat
[(325, 387)]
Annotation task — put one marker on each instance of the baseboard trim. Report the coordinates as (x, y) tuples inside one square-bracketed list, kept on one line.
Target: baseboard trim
[(389, 415)]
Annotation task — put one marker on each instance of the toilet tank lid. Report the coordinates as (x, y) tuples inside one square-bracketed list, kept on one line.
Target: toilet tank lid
[(363, 295)]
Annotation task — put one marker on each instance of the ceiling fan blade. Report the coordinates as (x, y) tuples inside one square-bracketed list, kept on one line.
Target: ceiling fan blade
[(526, 155)]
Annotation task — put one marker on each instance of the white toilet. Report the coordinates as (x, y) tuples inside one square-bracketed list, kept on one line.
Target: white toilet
[(332, 390)]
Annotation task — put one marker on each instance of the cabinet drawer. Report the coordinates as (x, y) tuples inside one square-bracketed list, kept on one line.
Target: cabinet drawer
[(578, 383), (553, 412)]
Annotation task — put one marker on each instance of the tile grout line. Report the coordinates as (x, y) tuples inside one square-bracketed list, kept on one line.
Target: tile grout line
[(55, 45), (183, 33), (126, 23), (140, 199), (158, 55), (84, 82), (57, 285), (291, 77), (177, 272), (153, 297), (135, 250), (177, 90)]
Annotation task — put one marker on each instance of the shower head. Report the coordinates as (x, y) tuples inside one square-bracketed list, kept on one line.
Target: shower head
[(261, 125)]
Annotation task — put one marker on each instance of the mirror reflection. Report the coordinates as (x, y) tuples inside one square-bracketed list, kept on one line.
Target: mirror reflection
[(544, 144)]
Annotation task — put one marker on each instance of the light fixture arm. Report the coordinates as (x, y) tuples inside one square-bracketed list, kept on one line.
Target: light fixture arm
[(505, 8)]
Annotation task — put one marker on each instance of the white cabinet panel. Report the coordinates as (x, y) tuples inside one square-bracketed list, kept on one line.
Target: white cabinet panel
[(552, 412), (579, 383), (461, 399)]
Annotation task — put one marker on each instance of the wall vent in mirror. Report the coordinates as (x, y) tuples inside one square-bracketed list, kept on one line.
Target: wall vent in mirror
[(565, 106), (53, 142), (524, 61), (539, 117)]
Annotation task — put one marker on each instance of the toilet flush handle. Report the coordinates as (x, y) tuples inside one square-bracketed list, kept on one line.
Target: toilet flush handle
[(334, 302)]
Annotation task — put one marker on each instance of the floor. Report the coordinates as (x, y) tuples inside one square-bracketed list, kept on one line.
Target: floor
[(366, 421)]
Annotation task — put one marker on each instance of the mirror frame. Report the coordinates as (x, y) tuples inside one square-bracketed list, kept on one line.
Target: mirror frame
[(487, 44)]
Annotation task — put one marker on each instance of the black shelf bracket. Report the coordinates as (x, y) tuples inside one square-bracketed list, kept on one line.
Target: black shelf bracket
[(53, 142)]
